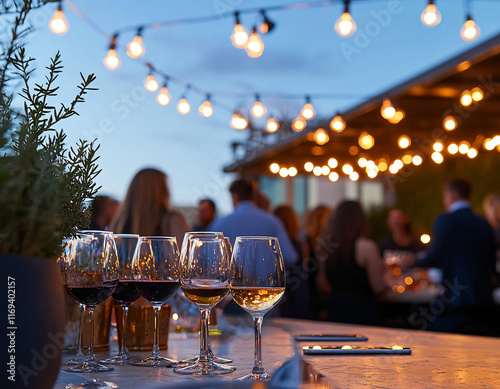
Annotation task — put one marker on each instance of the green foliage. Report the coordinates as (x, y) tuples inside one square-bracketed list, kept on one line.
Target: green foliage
[(44, 184)]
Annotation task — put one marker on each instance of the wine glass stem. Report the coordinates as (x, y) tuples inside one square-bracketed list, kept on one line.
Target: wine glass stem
[(257, 322), (204, 339), (91, 356), (80, 353), (124, 351), (156, 350)]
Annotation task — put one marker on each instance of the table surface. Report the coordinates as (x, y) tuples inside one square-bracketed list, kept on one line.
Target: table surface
[(437, 360)]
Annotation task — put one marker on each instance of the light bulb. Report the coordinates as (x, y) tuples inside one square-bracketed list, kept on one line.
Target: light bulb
[(267, 25), (321, 137), (438, 146), (431, 16), (398, 163), (112, 61), (472, 153), (275, 168), (333, 176), (325, 170), (337, 124), (404, 142), (387, 110), (258, 109), (470, 30), (58, 23), (307, 110), (333, 163), (477, 94), (362, 162), (272, 125), (407, 159), (163, 97), (466, 98), (366, 141), (347, 169), (449, 123), (354, 176), (399, 115), (382, 165), (284, 172), (299, 123), (183, 106), (425, 238), (393, 169), (463, 147), (417, 160), (135, 48), (238, 122), (317, 171), (254, 47), (151, 84), (206, 109), (371, 173), (308, 166), (437, 157), (292, 172), (345, 24), (239, 37), (452, 148)]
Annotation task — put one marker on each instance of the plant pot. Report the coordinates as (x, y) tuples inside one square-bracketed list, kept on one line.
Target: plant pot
[(33, 320)]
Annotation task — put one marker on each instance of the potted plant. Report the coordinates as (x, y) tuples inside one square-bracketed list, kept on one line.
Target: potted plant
[(44, 186)]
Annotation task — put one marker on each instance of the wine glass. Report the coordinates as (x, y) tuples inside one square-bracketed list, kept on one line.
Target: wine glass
[(155, 267), (204, 272), (126, 292), (216, 359), (257, 283), (92, 273)]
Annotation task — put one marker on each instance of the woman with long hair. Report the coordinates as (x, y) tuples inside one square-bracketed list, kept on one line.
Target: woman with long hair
[(353, 267), (146, 209)]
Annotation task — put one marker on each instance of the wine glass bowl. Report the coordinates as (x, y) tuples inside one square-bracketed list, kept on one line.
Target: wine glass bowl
[(257, 283), (155, 269), (204, 273)]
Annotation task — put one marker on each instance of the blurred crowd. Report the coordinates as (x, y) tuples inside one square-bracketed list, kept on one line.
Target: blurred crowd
[(334, 271)]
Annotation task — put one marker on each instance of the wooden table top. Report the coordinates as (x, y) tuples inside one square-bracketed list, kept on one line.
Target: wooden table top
[(437, 360)]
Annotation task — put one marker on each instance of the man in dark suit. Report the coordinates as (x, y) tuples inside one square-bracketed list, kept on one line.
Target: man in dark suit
[(463, 247)]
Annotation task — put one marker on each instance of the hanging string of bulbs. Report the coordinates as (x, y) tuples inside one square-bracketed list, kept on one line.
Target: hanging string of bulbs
[(345, 26)]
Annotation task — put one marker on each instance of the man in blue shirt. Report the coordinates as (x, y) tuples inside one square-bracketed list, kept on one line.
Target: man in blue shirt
[(248, 220)]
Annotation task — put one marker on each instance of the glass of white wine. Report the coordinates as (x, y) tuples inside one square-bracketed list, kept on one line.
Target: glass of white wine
[(204, 278), (257, 283)]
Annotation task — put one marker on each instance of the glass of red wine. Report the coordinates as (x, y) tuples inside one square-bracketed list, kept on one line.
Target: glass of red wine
[(126, 292), (92, 273), (204, 273), (216, 359), (155, 268)]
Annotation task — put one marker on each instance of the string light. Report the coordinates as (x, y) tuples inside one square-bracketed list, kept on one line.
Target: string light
[(284, 172), (333, 163), (382, 165), (472, 153), (272, 125), (238, 122), (463, 147), (112, 61), (254, 47), (425, 238), (205, 108), (371, 173), (347, 169), (407, 159), (58, 23), (417, 160), (431, 16), (151, 84), (466, 98), (366, 141), (449, 123), (135, 48), (321, 137), (258, 109), (452, 148), (308, 167), (393, 169), (266, 25), (345, 24), (354, 176), (299, 123), (163, 97), (437, 157), (333, 176), (337, 124), (275, 168), (470, 30), (398, 163), (307, 110), (404, 141), (387, 110), (239, 37), (362, 162), (317, 171), (477, 94), (438, 146), (399, 115), (325, 170), (292, 172)]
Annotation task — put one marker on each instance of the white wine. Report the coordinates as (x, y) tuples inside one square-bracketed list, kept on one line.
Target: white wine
[(205, 296), (256, 299)]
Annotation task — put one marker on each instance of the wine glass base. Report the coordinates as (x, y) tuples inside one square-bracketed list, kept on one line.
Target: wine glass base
[(255, 377), (75, 361), (216, 360), (119, 360), (207, 368), (155, 362), (86, 367), (92, 384)]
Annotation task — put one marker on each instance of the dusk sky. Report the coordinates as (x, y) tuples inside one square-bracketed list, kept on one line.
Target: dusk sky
[(303, 55)]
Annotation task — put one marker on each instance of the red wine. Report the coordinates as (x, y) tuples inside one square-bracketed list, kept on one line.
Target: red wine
[(157, 291), (92, 295), (126, 292)]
